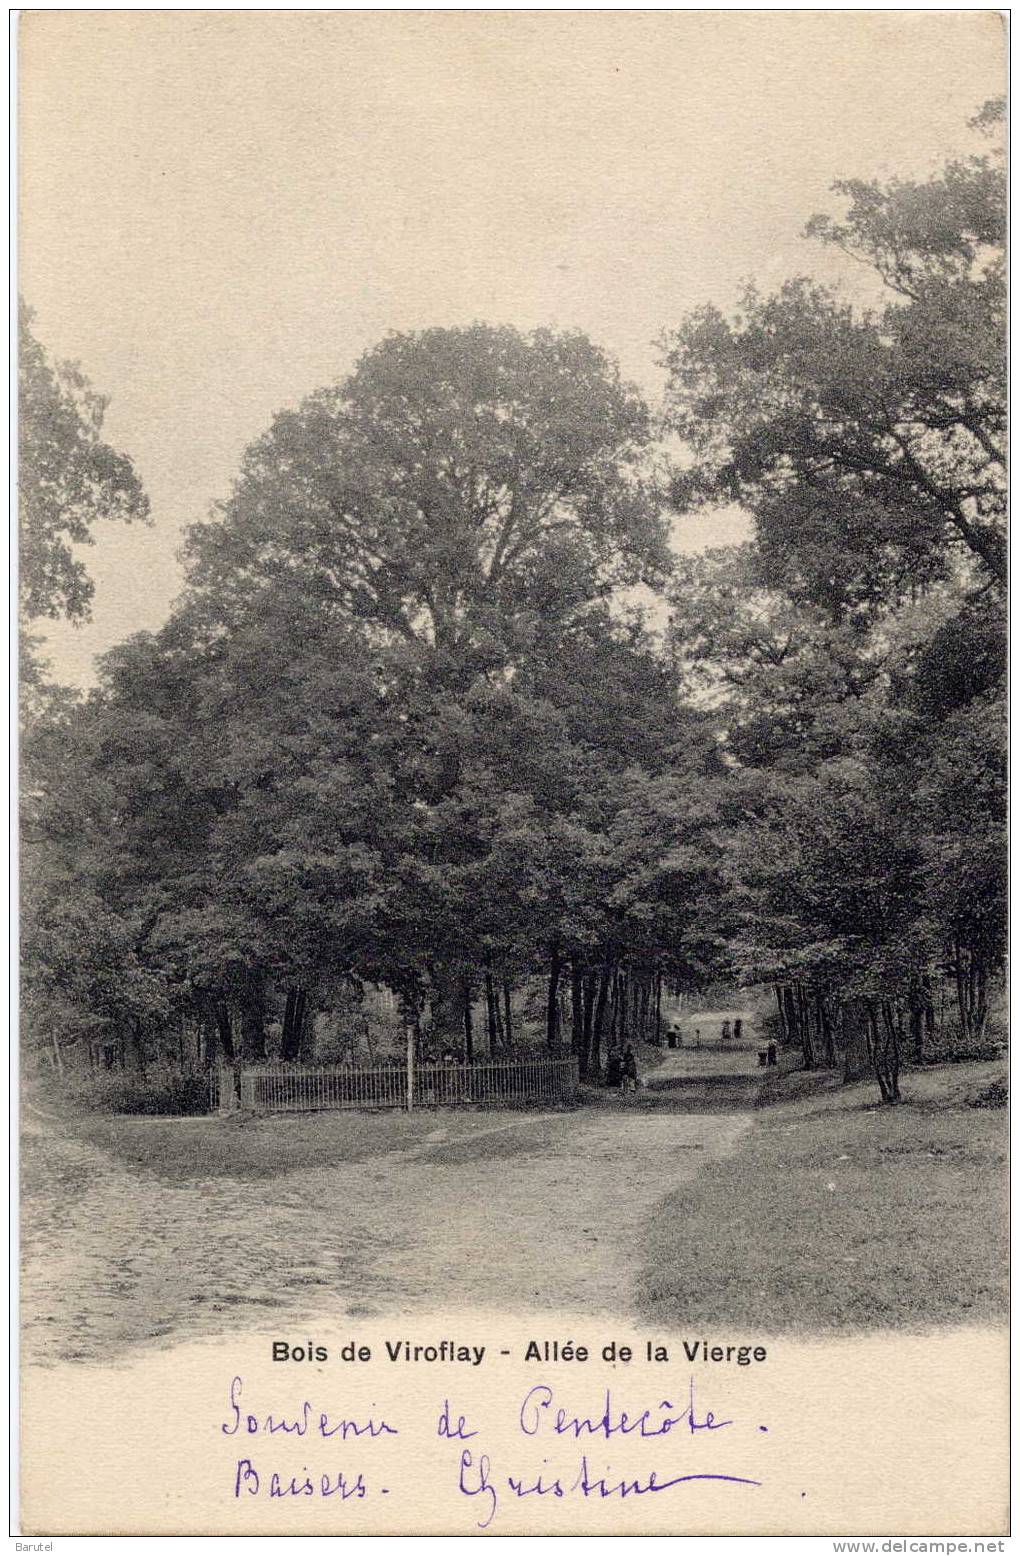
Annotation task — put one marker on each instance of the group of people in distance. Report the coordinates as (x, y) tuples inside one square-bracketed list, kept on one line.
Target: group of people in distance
[(621, 1068), (736, 1031)]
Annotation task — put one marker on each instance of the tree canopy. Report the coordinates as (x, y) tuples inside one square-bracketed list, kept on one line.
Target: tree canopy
[(867, 442), (408, 727), (68, 480), (854, 652), (462, 490)]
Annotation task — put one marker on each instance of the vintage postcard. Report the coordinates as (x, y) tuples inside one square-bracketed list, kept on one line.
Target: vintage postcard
[(512, 575)]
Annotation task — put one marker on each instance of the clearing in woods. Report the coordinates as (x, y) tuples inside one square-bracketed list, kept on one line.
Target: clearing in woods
[(825, 1211), (138, 1231), (527, 1212)]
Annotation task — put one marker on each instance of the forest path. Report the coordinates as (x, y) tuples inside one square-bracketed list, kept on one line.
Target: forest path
[(538, 1213), (717, 1059)]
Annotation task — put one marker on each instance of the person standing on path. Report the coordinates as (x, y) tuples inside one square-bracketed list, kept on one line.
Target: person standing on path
[(630, 1069)]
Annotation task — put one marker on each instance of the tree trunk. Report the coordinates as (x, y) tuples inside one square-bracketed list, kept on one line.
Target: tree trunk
[(851, 1044), (792, 1020), (137, 1045), (891, 1050), (588, 1018), (552, 1008), (598, 1023), (306, 1030), (576, 1010), (288, 1026), (804, 1027), (961, 991), (253, 1024), (874, 1050), (916, 1008), (507, 1007), (469, 1036), (929, 1007), (491, 1014), (884, 1049), (224, 1032), (980, 1014), (294, 1021), (825, 1031)]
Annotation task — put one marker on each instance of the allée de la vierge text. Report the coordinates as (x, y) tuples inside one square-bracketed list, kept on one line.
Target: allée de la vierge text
[(448, 1350)]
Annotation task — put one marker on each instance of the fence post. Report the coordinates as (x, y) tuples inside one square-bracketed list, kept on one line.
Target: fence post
[(410, 1069)]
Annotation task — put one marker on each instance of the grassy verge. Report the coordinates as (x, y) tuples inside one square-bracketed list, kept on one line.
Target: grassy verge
[(247, 1146), (837, 1214)]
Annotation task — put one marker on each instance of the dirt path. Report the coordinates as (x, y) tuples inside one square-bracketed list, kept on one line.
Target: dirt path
[(690, 1062), (539, 1212)]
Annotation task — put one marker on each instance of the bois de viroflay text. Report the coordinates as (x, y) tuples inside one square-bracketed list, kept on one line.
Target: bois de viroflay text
[(541, 1350)]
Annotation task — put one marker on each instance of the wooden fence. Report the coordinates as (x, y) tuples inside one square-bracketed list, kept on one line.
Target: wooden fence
[(304, 1089)]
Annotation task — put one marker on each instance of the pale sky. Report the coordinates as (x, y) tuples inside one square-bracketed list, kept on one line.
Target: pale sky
[(220, 211)]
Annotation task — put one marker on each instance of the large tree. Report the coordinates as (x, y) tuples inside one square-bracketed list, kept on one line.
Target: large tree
[(854, 654), (82, 976), (866, 440), (69, 479), (464, 499), (461, 488)]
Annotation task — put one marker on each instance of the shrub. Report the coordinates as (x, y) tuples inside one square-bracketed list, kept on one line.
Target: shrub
[(994, 1096), (162, 1090), (950, 1046)]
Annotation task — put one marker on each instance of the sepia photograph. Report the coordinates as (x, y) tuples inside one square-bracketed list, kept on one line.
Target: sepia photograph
[(512, 750)]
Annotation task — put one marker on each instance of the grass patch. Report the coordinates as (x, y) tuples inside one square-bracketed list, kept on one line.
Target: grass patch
[(837, 1214), (251, 1146), (243, 1146)]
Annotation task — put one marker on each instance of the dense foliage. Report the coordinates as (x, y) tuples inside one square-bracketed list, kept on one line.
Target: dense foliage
[(407, 731), (856, 652)]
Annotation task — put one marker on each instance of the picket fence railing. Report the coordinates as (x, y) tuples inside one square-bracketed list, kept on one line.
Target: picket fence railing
[(307, 1089)]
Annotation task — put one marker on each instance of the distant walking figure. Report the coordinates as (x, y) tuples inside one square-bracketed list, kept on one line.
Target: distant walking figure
[(630, 1070), (614, 1067), (726, 1031), (697, 1037), (738, 1027)]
